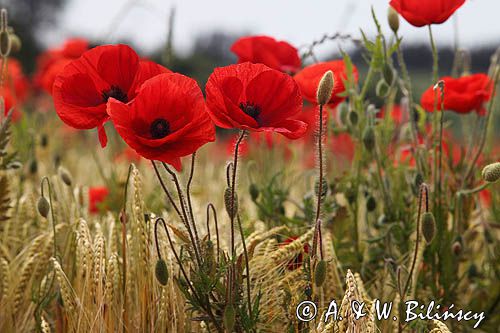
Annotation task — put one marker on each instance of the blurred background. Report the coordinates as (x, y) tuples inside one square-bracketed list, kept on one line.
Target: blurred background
[(204, 30)]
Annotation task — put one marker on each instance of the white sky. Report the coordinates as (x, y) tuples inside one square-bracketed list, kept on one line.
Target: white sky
[(297, 21)]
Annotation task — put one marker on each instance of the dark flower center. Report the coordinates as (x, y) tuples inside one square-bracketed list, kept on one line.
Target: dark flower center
[(250, 109), (159, 129), (116, 93)]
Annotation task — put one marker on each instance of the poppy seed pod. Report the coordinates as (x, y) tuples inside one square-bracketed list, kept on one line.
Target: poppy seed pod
[(161, 272), (65, 176), (43, 207), (320, 273), (369, 138), (228, 204), (428, 227), (325, 88), (229, 317), (491, 172), (393, 19)]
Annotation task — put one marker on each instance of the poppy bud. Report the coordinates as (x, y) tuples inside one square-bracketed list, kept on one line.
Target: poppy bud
[(43, 207), (343, 112), (227, 202), (428, 227), (325, 88), (353, 118), (15, 42), (393, 19), (254, 191), (369, 138), (371, 203), (388, 73), (320, 273), (382, 89), (456, 247), (33, 167), (161, 272), (324, 187), (418, 179), (491, 172), (65, 176), (5, 44), (229, 318)]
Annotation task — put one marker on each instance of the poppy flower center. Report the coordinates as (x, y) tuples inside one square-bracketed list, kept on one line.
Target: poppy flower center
[(159, 128), (116, 93), (250, 109)]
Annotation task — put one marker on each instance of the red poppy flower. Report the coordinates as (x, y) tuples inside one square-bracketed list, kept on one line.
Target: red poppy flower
[(52, 62), (266, 50), (15, 80), (425, 12), (297, 261), (462, 95), (81, 91), (9, 102), (485, 197), (97, 196), (255, 97), (166, 120), (308, 80)]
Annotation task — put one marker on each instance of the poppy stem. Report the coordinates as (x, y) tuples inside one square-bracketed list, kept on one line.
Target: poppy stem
[(210, 206), (411, 111), (188, 195), (320, 158), (194, 238), (423, 192), (46, 180), (247, 266), (233, 187), (441, 120)]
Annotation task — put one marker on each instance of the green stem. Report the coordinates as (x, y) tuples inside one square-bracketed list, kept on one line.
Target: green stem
[(320, 158), (233, 187)]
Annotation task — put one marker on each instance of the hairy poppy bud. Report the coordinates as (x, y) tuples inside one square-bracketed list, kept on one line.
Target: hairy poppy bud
[(418, 179), (324, 188), (229, 318), (5, 42), (353, 118), (15, 42), (369, 138), (491, 172), (65, 176), (382, 89), (161, 272), (227, 202), (320, 273), (371, 203), (388, 73), (254, 191), (43, 207), (325, 88), (343, 112), (393, 19), (428, 227)]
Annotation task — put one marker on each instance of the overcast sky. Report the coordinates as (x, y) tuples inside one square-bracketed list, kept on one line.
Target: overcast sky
[(297, 21)]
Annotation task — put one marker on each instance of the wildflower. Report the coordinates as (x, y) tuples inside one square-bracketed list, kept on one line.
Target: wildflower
[(308, 80), (255, 97), (52, 62), (462, 95), (97, 196), (278, 55), (82, 90), (425, 12), (166, 121)]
